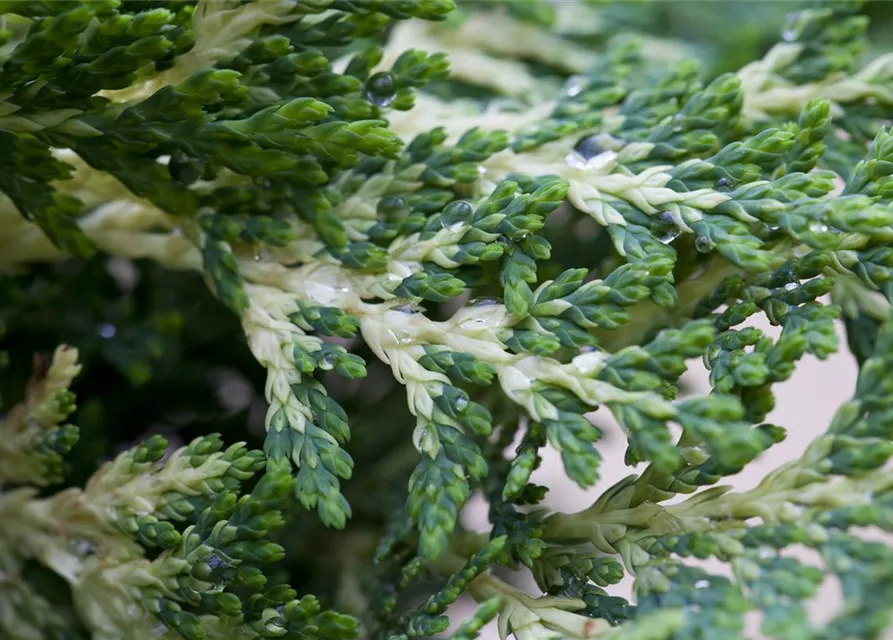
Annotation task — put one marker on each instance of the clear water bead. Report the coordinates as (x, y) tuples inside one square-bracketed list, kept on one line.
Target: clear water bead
[(381, 89), (107, 330), (574, 85), (703, 244), (664, 228), (576, 160), (484, 302), (668, 237)]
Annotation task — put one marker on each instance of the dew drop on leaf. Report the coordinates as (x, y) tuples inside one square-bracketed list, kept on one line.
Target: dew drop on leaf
[(456, 212), (483, 302), (724, 185), (703, 244), (668, 237), (83, 547), (107, 330), (576, 160), (574, 85), (381, 89), (664, 228), (409, 308), (391, 207), (328, 361), (215, 561)]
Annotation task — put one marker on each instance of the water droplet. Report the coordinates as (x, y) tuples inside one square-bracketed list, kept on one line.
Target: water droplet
[(702, 584), (724, 185), (483, 302), (589, 362), (124, 272), (668, 237), (84, 547), (664, 228), (790, 286), (257, 257), (456, 213), (216, 564), (789, 33), (575, 160), (818, 227), (409, 308), (788, 275), (183, 168), (391, 207), (699, 272), (574, 85), (460, 403), (703, 244), (772, 232), (591, 146), (107, 330), (453, 228), (328, 361), (381, 89), (790, 512)]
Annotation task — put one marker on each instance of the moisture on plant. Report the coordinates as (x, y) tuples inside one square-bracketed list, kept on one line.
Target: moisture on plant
[(285, 285)]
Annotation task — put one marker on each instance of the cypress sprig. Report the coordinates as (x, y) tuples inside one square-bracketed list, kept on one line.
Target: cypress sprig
[(339, 275)]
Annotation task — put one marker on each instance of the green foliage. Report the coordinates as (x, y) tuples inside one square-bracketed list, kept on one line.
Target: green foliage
[(324, 272)]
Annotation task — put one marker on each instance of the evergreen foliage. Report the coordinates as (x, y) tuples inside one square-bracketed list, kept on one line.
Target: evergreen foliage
[(320, 271)]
